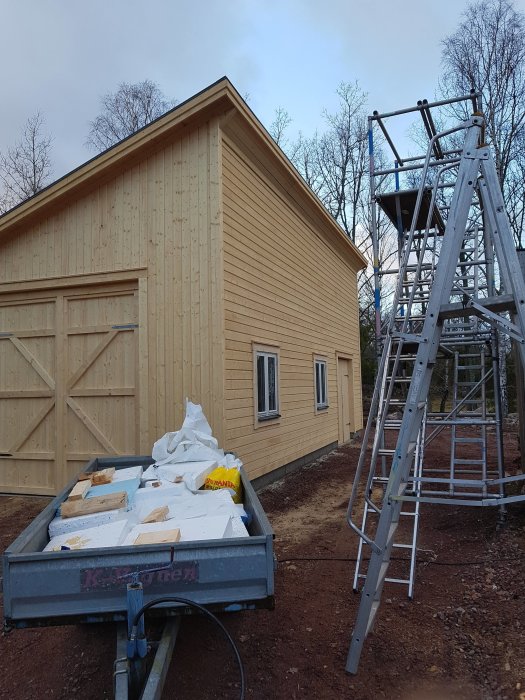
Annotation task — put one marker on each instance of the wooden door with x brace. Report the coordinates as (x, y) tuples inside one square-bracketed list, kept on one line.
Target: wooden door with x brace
[(68, 384)]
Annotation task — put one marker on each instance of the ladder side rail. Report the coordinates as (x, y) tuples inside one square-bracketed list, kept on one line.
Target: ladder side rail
[(455, 410), (413, 414), (375, 237), (418, 470), (483, 427), (359, 558), (498, 411)]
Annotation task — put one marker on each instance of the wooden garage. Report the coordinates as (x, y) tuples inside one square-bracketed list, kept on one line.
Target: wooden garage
[(189, 260)]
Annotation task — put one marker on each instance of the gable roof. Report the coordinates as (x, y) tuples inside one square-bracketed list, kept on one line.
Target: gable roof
[(218, 98)]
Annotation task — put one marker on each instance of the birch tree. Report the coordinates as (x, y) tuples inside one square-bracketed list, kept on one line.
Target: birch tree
[(131, 107), (25, 168)]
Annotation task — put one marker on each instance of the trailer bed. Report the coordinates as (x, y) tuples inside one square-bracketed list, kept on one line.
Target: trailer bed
[(47, 588)]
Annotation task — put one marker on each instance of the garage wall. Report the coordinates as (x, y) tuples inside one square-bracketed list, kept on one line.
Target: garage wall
[(287, 289)]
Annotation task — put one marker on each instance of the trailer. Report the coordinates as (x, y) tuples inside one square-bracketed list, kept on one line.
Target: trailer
[(115, 583)]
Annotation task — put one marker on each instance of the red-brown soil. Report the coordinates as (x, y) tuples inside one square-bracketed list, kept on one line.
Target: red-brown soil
[(461, 637)]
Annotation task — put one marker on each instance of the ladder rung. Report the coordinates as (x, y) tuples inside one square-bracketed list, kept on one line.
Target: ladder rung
[(462, 421), (465, 440), (418, 317), (469, 461), (416, 300)]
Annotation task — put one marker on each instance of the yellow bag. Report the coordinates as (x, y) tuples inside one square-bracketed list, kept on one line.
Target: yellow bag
[(224, 478)]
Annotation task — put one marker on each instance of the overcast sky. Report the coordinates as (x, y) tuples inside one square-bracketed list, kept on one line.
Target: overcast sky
[(60, 56)]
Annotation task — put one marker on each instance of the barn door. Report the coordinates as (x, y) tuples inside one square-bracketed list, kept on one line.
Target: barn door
[(100, 376), (28, 396), (68, 382)]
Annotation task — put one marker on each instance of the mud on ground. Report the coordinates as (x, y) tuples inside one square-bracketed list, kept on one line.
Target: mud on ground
[(461, 637)]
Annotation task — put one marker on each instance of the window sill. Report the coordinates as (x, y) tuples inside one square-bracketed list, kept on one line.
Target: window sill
[(265, 418), (319, 409)]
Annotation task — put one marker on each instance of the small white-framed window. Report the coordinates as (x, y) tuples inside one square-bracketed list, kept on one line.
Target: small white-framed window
[(321, 384), (266, 384)]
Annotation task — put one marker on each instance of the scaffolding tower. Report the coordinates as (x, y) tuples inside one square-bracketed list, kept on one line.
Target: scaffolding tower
[(458, 288)]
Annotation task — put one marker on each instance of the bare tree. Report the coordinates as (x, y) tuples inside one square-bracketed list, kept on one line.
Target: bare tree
[(279, 126), (333, 163), (126, 111), (487, 52), (25, 168)]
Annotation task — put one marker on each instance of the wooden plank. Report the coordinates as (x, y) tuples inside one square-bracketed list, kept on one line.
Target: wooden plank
[(91, 426), (22, 456), (168, 263), (61, 472), (79, 490), (97, 504), (162, 537), (41, 287), (35, 364), (143, 384), (104, 328), (32, 334), (27, 394), (109, 391)]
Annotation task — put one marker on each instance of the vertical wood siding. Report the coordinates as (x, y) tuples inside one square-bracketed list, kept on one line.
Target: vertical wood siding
[(185, 319), (284, 286)]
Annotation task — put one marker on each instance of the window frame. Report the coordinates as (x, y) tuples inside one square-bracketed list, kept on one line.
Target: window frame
[(320, 389), (266, 352)]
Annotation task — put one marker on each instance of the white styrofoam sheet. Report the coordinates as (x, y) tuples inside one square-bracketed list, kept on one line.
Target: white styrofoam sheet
[(127, 473), (107, 535), (62, 526), (191, 530), (238, 527)]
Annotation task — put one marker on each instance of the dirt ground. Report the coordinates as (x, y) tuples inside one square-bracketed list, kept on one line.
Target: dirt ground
[(460, 638)]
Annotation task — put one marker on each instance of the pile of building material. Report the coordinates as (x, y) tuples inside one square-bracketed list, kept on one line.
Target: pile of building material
[(157, 504)]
